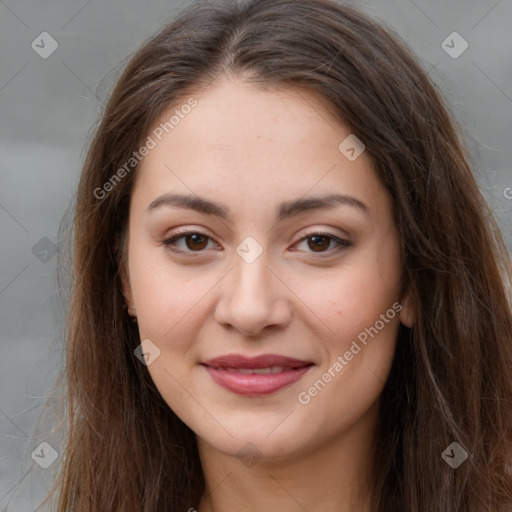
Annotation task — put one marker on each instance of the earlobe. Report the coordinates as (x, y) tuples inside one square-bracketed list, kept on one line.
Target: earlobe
[(408, 311), (125, 287), (127, 293)]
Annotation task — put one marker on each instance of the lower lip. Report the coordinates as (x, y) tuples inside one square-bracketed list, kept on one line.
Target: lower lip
[(253, 384)]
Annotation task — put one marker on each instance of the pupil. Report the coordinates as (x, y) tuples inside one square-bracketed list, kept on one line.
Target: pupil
[(317, 242), (196, 239), (320, 242)]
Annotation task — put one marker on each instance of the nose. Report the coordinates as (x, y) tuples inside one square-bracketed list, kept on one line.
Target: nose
[(253, 298)]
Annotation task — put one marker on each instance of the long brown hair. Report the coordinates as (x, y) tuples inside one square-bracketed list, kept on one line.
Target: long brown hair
[(451, 379)]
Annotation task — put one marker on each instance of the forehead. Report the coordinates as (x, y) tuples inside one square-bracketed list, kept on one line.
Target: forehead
[(242, 142)]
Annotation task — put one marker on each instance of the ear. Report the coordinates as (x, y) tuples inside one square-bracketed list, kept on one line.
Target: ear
[(123, 273), (408, 311)]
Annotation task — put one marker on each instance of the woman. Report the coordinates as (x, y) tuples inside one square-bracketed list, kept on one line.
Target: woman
[(288, 292)]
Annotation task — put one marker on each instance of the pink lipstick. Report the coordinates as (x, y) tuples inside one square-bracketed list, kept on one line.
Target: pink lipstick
[(256, 376)]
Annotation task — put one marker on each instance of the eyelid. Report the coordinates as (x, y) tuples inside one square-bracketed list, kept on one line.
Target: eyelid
[(343, 243), (323, 232), (180, 233)]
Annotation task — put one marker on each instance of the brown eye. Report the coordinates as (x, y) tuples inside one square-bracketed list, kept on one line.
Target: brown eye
[(196, 241), (188, 242), (318, 243), (323, 244)]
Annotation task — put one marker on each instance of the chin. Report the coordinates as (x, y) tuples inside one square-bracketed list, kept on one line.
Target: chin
[(252, 440)]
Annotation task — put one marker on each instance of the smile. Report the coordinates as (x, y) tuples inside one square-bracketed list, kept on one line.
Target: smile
[(256, 376)]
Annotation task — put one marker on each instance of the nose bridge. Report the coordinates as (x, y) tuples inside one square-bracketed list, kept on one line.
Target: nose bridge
[(250, 289), (250, 300), (251, 277)]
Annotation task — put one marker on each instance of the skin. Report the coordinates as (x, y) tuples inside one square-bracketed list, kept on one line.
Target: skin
[(251, 149)]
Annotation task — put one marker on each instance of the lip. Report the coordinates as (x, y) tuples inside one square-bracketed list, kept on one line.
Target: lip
[(261, 361), (255, 384)]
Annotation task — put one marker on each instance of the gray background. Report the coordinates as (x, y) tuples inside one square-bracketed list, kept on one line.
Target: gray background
[(48, 108)]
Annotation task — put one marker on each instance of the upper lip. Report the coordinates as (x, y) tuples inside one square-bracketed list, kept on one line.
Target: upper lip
[(261, 361)]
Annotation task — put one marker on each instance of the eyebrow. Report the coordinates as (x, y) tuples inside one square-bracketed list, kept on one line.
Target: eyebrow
[(285, 210)]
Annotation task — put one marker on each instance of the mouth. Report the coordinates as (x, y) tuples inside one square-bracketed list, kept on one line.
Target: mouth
[(256, 376)]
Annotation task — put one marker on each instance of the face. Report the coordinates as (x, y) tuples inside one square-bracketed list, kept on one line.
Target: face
[(255, 239)]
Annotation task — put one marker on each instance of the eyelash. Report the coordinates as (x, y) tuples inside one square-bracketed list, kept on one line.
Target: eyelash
[(342, 244)]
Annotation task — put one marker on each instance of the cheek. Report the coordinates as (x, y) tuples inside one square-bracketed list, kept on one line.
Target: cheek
[(361, 308), (360, 304), (354, 296), (164, 299)]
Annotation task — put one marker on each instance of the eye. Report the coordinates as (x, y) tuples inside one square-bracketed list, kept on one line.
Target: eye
[(194, 241), (320, 243)]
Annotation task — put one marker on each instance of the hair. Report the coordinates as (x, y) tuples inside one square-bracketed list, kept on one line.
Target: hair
[(451, 378)]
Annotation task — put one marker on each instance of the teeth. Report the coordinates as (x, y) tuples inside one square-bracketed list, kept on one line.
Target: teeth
[(258, 371), (272, 369)]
